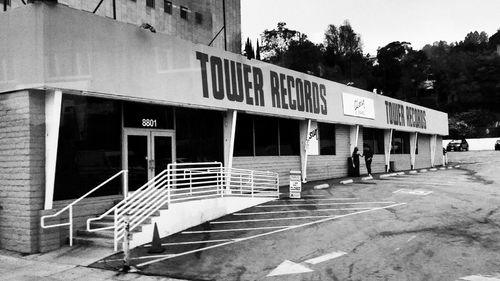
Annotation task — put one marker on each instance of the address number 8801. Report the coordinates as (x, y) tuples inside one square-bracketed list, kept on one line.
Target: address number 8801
[(149, 123)]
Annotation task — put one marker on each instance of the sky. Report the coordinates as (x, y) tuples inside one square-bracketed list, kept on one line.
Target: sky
[(378, 22)]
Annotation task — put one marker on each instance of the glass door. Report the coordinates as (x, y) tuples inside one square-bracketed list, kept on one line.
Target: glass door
[(146, 154)]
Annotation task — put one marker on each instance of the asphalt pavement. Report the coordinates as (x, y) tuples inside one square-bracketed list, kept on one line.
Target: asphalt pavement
[(440, 224)]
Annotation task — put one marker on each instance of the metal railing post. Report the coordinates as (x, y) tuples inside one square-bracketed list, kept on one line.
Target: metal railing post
[(125, 184), (251, 182), (115, 215), (168, 188), (71, 225)]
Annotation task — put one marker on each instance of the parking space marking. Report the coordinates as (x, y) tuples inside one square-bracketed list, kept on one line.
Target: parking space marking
[(326, 257), (423, 181), (233, 229), (299, 211), (192, 242), (268, 233), (324, 199), (421, 192), (272, 219), (480, 278), (322, 204)]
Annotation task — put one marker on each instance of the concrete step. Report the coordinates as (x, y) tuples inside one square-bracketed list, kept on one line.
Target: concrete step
[(94, 241)]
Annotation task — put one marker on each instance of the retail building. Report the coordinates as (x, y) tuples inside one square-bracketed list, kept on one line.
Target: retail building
[(84, 96)]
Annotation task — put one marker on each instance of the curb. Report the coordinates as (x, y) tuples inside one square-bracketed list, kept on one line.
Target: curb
[(423, 171), (413, 172), (366, 178), (433, 169), (347, 181)]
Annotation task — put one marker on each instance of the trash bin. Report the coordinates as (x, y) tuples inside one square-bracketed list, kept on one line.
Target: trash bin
[(392, 166)]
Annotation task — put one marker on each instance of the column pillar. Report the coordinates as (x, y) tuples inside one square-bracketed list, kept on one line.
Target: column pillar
[(353, 138), (433, 149), (304, 128), (229, 136), (53, 101), (387, 147), (413, 148)]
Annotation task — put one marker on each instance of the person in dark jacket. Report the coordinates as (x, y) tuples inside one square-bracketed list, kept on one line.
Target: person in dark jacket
[(368, 154), (355, 162)]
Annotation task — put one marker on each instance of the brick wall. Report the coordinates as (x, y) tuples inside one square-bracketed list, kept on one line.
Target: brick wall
[(22, 157)]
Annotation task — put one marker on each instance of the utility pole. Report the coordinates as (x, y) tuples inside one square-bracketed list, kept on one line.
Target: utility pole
[(224, 23)]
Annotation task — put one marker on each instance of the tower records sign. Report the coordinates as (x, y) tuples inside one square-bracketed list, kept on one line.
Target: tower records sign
[(224, 79)]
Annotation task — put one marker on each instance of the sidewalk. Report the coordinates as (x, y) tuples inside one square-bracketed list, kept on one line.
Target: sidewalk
[(62, 265)]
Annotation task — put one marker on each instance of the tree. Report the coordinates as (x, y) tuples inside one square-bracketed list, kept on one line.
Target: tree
[(276, 42), (389, 71), (257, 51), (342, 40), (343, 57), (248, 51)]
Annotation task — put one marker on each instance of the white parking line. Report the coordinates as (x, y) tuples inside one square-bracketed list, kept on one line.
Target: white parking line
[(193, 242), (268, 233), (325, 257), (272, 219), (234, 229), (299, 211), (323, 199), (322, 204)]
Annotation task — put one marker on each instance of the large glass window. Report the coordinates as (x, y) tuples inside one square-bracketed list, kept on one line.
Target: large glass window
[(289, 137), (400, 143), (89, 149), (199, 135), (266, 136), (374, 139), (326, 139)]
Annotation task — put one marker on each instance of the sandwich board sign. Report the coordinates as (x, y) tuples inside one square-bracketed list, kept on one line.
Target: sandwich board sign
[(295, 184)]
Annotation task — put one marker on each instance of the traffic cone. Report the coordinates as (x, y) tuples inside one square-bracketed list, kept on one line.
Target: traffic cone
[(156, 246)]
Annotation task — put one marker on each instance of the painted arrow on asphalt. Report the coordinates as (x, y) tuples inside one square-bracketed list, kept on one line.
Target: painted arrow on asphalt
[(290, 267)]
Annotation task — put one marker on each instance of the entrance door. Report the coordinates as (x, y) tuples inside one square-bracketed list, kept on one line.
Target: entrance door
[(146, 154)]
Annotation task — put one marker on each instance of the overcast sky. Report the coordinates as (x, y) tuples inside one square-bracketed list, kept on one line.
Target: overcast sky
[(379, 22)]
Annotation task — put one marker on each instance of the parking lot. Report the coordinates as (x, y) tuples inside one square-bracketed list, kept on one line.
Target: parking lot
[(384, 229)]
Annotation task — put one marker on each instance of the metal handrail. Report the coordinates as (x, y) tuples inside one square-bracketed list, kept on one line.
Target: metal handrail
[(186, 181), (70, 207)]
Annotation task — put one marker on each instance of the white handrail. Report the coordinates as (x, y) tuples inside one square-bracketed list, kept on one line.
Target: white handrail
[(187, 181), (70, 206)]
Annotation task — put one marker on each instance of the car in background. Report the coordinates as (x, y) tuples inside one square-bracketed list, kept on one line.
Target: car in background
[(457, 145), (497, 145)]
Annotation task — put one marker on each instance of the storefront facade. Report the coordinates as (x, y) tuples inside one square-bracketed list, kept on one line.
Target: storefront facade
[(83, 97)]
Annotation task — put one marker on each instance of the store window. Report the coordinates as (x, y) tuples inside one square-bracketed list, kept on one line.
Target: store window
[(167, 6), (289, 137), (198, 18), (199, 135), (400, 143), (326, 139), (184, 12), (266, 136), (89, 148), (373, 138)]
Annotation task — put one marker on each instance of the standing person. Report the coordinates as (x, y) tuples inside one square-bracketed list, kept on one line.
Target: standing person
[(355, 162), (368, 153)]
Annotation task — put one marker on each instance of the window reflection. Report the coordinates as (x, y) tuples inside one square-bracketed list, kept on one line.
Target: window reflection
[(89, 148)]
